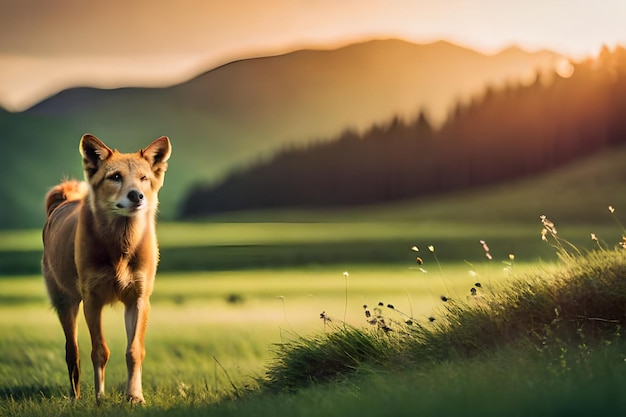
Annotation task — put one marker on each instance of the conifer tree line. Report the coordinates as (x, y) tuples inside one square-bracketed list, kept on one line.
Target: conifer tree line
[(504, 134)]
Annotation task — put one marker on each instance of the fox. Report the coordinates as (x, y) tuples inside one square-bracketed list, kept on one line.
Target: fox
[(100, 247)]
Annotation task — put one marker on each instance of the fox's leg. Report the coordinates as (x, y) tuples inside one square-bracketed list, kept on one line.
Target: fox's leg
[(67, 308), (99, 350), (72, 358), (136, 319)]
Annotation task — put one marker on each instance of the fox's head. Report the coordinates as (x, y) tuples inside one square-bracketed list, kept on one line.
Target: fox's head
[(124, 184)]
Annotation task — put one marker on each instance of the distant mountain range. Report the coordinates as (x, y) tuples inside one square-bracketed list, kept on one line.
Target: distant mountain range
[(504, 135), (243, 111)]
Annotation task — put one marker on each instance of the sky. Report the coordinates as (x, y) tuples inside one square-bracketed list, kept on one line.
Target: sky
[(47, 46)]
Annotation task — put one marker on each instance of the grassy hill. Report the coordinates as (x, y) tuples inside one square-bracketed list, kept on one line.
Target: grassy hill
[(578, 194), (242, 111)]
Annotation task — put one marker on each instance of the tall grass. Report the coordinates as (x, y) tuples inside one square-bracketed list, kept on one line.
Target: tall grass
[(578, 306), (548, 341)]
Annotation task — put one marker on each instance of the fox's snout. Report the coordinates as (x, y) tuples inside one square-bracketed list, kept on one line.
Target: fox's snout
[(133, 200), (135, 196)]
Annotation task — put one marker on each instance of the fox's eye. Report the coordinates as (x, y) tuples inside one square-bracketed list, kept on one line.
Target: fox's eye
[(117, 177), (143, 178)]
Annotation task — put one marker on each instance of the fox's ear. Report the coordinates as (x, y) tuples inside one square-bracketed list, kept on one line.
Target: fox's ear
[(93, 152), (157, 153)]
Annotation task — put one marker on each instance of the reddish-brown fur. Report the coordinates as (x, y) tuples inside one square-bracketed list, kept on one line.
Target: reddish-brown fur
[(100, 247)]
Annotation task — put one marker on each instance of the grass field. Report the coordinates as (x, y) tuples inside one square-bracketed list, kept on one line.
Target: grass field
[(231, 288), (343, 244), (210, 334)]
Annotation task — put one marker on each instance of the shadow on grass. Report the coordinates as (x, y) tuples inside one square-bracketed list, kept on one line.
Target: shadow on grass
[(18, 300), (241, 257), (30, 392)]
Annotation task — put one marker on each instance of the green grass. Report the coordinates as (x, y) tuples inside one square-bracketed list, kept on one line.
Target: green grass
[(210, 353), (507, 382), (583, 299), (199, 339), (237, 246), (235, 293)]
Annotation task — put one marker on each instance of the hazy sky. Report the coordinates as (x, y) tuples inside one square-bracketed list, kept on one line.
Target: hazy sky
[(48, 45)]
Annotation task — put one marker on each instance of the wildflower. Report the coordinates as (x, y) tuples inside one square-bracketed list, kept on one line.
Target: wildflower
[(511, 256), (431, 319), (544, 232), (431, 248), (486, 249), (409, 322), (478, 284), (324, 317), (473, 273), (346, 274), (444, 298), (594, 237), (368, 314), (473, 291), (419, 260), (390, 306), (415, 249), (547, 225), (612, 209), (423, 270), (380, 304)]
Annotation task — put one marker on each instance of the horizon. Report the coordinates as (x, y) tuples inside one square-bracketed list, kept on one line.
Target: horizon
[(141, 77), (47, 48)]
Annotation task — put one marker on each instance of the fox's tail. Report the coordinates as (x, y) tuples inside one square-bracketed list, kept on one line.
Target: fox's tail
[(68, 190)]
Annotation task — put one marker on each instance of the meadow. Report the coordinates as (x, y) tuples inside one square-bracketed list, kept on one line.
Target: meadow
[(213, 333), (210, 334), (235, 293)]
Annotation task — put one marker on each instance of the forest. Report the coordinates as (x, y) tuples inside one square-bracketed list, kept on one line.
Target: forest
[(504, 134)]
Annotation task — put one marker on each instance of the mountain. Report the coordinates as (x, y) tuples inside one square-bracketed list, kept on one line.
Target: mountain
[(507, 134), (243, 111)]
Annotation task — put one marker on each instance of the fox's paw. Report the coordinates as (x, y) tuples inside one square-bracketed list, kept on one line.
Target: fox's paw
[(136, 399)]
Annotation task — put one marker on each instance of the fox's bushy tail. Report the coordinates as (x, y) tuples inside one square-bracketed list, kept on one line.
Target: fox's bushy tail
[(68, 190)]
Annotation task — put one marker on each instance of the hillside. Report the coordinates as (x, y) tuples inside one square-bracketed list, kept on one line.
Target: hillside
[(573, 195), (241, 112), (504, 135)]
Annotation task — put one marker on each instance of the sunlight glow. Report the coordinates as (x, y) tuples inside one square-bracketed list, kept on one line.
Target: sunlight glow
[(564, 68), (195, 34)]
